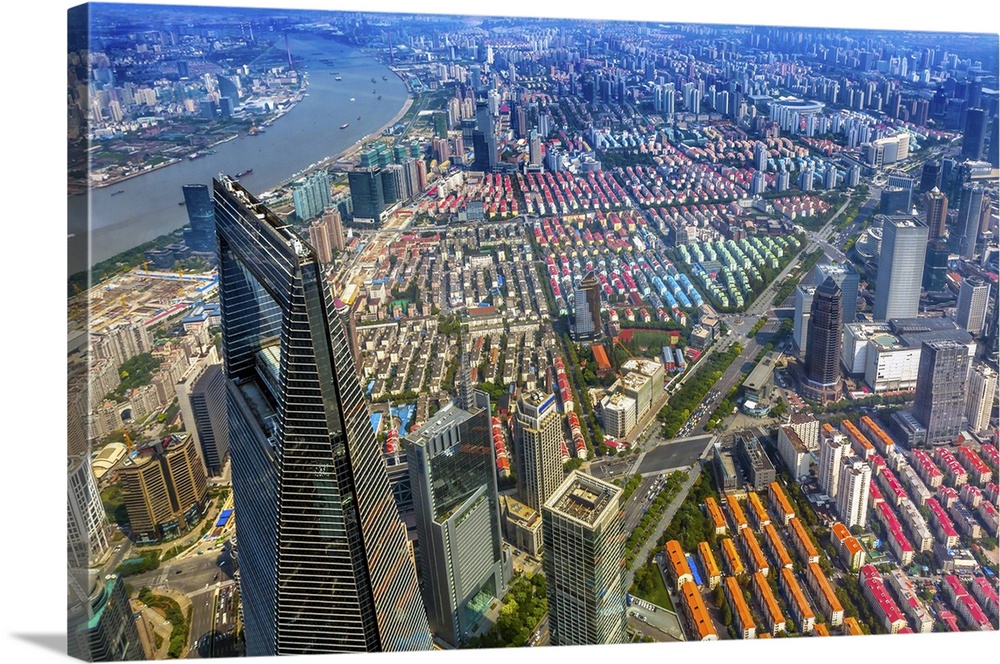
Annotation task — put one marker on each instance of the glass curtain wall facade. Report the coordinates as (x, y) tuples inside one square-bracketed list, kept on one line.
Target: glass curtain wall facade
[(324, 565), (459, 556)]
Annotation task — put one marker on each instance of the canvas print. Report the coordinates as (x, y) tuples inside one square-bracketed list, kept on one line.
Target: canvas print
[(423, 332)]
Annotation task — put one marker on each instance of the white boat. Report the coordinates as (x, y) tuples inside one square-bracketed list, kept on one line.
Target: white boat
[(352, 98)]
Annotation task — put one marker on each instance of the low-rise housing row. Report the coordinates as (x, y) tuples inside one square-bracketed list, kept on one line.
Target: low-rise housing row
[(756, 561), (852, 627), (757, 511), (776, 548), (715, 514), (883, 442), (920, 618), (898, 542), (986, 594), (742, 616), (926, 468), (677, 565), (859, 442), (964, 520), (988, 513), (979, 472), (824, 595), (919, 530), (966, 605), (943, 527), (736, 515), (713, 575), (780, 506), (697, 620), (731, 558), (892, 488), (953, 470), (911, 480), (885, 609), (802, 613), (801, 542), (773, 619)]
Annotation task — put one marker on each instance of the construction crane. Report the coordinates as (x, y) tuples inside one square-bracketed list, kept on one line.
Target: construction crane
[(129, 445)]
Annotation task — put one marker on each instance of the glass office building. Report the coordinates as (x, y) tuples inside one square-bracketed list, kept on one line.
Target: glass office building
[(459, 555), (324, 565)]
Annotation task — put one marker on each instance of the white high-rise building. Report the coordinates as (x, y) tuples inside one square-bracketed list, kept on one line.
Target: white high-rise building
[(832, 448), (87, 523), (900, 268), (970, 312), (852, 493), (982, 397)]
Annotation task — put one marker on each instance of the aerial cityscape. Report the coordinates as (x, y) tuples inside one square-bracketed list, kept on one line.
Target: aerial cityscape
[(425, 332)]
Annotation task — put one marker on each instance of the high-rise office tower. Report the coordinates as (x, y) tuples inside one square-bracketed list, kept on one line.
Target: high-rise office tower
[(982, 397), (587, 299), (537, 447), (164, 487), (484, 141), (936, 210), (87, 523), (803, 310), (939, 403), (973, 296), (900, 268), (936, 266), (101, 627), (200, 236), (459, 555), (534, 149), (832, 448), (974, 136), (323, 559), (584, 562), (970, 211), (993, 153), (201, 395), (847, 279), (366, 194), (852, 492), (930, 176), (822, 370)]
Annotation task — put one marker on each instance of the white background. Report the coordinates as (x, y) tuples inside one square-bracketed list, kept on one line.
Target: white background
[(33, 129)]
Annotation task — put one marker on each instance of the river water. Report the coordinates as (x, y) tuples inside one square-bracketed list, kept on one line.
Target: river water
[(309, 133)]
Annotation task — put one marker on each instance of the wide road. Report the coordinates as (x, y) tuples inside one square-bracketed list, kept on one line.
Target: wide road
[(668, 515)]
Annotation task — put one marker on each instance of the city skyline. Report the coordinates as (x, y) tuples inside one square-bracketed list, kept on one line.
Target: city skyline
[(678, 185)]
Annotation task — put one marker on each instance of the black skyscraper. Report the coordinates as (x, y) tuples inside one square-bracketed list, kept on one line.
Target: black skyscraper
[(484, 142), (201, 215), (823, 348), (974, 136), (936, 266), (367, 195), (323, 560), (930, 176)]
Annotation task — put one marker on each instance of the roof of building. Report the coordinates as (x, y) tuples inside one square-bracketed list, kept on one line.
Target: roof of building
[(779, 495), (768, 598), (708, 560), (851, 626), (584, 498), (753, 547), (732, 555), (884, 604), (793, 589), (802, 537), (777, 546), (677, 559), (697, 610), (757, 507), (736, 511), (846, 539), (715, 512), (826, 590), (735, 594)]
